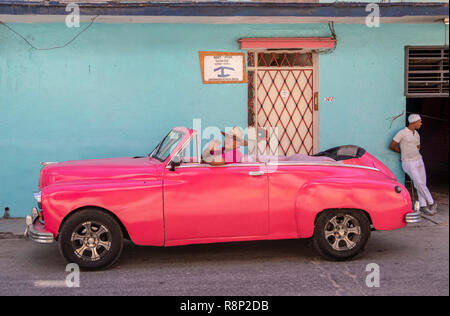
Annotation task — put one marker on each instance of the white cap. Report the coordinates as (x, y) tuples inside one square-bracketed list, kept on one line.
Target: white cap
[(414, 118)]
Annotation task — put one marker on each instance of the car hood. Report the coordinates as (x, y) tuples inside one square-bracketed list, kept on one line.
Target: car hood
[(139, 168)]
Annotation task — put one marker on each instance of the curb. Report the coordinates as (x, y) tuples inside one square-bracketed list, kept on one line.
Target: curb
[(10, 236)]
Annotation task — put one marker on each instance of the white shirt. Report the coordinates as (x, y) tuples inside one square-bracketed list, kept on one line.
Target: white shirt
[(408, 144)]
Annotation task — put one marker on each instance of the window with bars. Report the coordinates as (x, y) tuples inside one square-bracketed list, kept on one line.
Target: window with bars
[(426, 71), (280, 95), (271, 60)]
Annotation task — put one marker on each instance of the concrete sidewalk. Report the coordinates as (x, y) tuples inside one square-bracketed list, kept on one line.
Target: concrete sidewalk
[(14, 228), (441, 218)]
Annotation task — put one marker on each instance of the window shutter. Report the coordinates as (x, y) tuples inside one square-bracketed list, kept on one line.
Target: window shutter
[(426, 71)]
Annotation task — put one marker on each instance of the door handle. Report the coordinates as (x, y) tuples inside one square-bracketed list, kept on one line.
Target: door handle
[(256, 173)]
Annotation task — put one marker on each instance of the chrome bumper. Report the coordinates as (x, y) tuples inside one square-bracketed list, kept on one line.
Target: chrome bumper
[(35, 229), (412, 218)]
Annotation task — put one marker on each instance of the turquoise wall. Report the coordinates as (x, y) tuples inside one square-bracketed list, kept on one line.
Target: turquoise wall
[(119, 88)]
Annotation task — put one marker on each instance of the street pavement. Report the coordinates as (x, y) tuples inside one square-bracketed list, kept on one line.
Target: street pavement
[(412, 261)]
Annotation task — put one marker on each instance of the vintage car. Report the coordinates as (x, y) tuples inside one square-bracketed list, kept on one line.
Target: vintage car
[(172, 198)]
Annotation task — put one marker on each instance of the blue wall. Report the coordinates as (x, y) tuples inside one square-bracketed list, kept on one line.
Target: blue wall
[(119, 88)]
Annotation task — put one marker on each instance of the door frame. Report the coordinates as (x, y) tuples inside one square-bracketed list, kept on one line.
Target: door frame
[(315, 83)]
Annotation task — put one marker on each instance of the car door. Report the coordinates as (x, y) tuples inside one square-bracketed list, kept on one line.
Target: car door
[(217, 203)]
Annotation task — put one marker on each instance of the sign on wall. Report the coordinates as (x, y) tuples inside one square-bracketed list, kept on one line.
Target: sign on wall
[(222, 67)]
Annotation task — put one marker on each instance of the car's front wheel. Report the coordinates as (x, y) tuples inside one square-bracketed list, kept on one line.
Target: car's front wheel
[(341, 234), (91, 238)]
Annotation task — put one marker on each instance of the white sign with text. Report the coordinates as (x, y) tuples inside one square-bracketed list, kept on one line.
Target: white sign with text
[(226, 68)]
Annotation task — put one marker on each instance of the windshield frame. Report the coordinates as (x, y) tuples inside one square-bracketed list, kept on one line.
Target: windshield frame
[(156, 151), (186, 143)]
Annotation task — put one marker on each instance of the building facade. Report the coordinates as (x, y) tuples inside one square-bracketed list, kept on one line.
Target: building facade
[(118, 83)]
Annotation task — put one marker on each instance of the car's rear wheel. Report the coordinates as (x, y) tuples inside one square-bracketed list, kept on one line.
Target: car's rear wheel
[(341, 234), (91, 238)]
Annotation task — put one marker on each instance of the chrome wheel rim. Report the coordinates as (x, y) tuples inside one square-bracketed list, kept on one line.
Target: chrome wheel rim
[(91, 241), (343, 232)]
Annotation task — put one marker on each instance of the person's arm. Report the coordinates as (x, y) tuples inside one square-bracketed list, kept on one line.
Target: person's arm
[(216, 162), (213, 145), (394, 146), (211, 159)]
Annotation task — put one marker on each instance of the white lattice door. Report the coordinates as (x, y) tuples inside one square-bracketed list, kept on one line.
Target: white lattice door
[(281, 93)]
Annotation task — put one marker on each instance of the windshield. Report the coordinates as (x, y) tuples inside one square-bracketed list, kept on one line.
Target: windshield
[(167, 145)]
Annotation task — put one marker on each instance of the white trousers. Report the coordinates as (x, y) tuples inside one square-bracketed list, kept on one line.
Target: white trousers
[(416, 171)]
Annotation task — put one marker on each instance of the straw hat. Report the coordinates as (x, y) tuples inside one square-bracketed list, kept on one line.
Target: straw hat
[(237, 134)]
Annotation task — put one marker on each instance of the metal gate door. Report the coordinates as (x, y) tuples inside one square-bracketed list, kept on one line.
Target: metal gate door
[(280, 100)]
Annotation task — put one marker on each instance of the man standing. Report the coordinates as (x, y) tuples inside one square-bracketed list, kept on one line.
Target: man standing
[(412, 162)]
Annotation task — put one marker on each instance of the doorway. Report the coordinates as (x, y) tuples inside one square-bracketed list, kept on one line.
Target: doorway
[(434, 139), (281, 100)]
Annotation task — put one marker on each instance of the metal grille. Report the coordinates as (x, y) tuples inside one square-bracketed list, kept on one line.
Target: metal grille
[(280, 100), (426, 71)]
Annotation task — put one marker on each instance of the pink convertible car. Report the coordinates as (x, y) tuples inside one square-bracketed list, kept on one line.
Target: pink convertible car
[(171, 198)]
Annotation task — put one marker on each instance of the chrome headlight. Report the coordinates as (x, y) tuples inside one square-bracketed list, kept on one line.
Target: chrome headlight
[(34, 213), (37, 196)]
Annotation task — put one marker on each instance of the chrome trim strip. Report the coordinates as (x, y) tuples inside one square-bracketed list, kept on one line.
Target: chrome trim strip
[(332, 164), (196, 165), (205, 165)]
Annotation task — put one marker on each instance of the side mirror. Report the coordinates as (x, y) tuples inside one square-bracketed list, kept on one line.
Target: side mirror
[(176, 161)]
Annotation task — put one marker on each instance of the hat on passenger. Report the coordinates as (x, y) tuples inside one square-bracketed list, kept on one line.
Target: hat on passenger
[(414, 118), (237, 134)]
